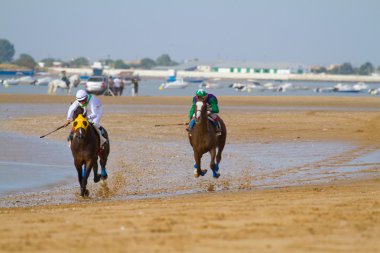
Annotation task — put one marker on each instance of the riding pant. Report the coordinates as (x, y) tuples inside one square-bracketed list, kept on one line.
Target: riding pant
[(212, 116)]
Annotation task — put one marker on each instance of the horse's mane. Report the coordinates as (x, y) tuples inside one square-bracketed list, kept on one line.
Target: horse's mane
[(78, 111)]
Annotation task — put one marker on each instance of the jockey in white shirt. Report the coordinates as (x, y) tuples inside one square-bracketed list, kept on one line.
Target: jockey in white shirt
[(94, 109)]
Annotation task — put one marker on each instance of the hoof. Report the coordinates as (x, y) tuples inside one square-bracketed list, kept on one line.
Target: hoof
[(97, 178), (196, 174), (104, 174), (85, 193), (215, 174)]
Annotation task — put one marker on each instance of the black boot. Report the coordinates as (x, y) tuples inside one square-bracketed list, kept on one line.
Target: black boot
[(218, 129), (70, 137)]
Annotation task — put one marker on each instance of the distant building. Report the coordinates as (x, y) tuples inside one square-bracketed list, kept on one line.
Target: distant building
[(241, 67), (259, 68), (57, 64)]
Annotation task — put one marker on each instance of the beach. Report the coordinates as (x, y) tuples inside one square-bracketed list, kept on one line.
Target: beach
[(326, 204)]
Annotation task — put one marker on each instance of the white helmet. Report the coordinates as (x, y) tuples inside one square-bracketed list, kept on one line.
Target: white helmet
[(81, 95)]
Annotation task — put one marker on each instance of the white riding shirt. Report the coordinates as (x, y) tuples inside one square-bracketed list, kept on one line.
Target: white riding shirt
[(94, 110)]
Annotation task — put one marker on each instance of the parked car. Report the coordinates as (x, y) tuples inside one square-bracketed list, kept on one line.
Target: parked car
[(96, 85)]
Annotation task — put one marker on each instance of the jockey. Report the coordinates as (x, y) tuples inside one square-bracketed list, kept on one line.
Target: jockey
[(93, 107), (64, 78), (212, 109)]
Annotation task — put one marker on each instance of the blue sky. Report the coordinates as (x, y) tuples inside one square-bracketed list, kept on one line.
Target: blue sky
[(293, 31)]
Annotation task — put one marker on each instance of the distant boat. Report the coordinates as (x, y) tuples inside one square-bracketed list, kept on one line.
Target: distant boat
[(10, 81), (340, 87), (19, 80), (248, 87), (43, 81), (373, 91), (193, 80), (348, 88), (177, 84), (210, 85), (26, 80)]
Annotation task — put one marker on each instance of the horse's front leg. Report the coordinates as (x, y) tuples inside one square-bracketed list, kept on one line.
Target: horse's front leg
[(78, 166), (197, 166), (86, 170), (214, 166)]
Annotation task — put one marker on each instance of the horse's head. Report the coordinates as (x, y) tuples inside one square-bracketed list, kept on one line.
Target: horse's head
[(80, 125), (201, 111)]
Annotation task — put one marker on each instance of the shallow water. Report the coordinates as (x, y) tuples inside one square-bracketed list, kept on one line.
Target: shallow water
[(29, 163), (151, 88), (38, 171)]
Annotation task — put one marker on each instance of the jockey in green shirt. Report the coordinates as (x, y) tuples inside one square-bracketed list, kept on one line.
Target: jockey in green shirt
[(212, 107)]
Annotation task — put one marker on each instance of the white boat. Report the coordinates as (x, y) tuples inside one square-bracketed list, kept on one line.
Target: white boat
[(327, 89), (210, 85), (177, 84), (43, 81), (26, 80), (248, 87), (10, 81), (348, 88), (373, 91)]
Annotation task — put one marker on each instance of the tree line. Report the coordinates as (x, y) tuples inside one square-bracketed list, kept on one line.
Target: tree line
[(7, 52), (347, 69)]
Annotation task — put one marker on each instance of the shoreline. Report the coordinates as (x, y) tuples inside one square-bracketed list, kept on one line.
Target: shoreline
[(304, 101)]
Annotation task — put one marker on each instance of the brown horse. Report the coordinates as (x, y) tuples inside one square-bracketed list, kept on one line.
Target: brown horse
[(203, 139), (85, 150)]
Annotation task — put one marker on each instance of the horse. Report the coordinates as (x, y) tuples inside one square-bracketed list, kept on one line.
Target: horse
[(203, 139), (58, 83), (85, 149)]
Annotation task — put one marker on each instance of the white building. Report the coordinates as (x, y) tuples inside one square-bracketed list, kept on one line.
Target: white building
[(259, 68)]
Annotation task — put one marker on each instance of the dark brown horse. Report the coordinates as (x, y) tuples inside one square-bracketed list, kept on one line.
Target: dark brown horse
[(203, 139), (85, 150)]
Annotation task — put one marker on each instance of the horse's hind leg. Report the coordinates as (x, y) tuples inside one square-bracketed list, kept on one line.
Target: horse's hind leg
[(220, 150), (103, 162), (95, 170), (214, 166)]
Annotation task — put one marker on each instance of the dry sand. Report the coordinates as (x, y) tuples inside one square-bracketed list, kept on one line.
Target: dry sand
[(342, 216)]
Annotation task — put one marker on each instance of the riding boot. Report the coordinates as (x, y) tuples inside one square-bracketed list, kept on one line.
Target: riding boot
[(70, 137), (190, 126), (102, 139), (218, 128)]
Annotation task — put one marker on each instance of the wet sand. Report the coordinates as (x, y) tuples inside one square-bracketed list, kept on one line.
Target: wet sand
[(333, 216)]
